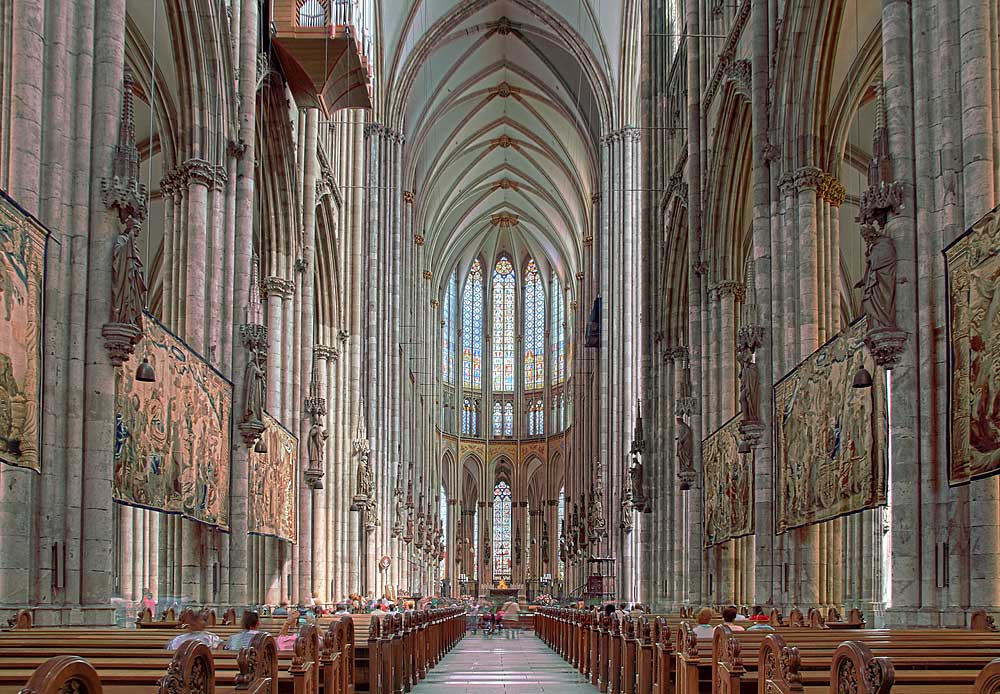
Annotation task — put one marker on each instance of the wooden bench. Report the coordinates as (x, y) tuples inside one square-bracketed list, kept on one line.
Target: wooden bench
[(141, 656), (190, 670)]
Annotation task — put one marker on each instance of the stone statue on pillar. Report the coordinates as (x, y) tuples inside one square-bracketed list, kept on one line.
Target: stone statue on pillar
[(642, 502), (685, 454), (316, 407), (878, 284), (125, 194), (882, 198), (254, 335), (364, 500)]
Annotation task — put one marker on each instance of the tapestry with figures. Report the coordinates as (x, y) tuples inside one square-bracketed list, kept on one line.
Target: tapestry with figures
[(22, 275), (728, 507), (973, 272), (272, 498), (831, 438), (172, 436)]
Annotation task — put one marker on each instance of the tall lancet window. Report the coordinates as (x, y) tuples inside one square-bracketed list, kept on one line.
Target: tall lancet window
[(508, 418), (470, 417), (534, 328), (558, 332), (503, 326), (472, 328), (497, 419), (448, 330), (501, 531)]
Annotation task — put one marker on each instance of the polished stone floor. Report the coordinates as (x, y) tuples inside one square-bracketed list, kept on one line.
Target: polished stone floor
[(500, 665)]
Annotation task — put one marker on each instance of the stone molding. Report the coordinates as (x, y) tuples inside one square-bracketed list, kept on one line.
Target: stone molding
[(504, 141), (505, 219), (278, 286), (728, 54)]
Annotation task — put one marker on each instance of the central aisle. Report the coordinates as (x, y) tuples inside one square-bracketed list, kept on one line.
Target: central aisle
[(499, 665)]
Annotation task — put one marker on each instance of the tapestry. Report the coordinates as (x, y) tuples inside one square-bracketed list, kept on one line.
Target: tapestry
[(22, 275), (172, 437), (728, 485), (831, 439), (272, 498), (972, 268)]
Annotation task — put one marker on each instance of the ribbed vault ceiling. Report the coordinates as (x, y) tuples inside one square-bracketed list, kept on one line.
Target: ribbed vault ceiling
[(502, 103)]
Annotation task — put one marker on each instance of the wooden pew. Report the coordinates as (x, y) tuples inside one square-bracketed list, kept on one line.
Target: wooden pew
[(190, 670), (138, 656)]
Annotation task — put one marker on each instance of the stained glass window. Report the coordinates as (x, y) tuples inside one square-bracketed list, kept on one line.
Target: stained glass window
[(557, 331), (534, 328), (503, 326), (448, 329), (508, 419), (497, 418), (472, 328), (536, 418), (501, 531), (470, 417)]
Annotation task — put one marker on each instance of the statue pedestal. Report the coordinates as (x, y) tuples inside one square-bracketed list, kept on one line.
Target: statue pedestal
[(120, 340), (359, 502), (752, 433), (251, 431), (886, 346)]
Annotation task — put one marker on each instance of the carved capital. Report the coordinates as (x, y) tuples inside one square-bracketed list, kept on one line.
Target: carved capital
[(808, 178), (428, 275), (409, 197), (595, 199), (326, 353), (579, 275), (731, 288), (831, 190), (279, 287), (418, 239)]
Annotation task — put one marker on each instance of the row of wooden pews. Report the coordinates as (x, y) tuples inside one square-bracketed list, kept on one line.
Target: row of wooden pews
[(807, 654), (325, 657)]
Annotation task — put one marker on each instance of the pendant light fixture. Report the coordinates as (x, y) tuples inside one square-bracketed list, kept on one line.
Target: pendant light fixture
[(862, 378), (145, 372)]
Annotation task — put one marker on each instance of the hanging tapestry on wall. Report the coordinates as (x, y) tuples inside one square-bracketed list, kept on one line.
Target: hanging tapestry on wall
[(972, 265), (272, 499), (728, 485), (831, 452), (22, 275), (172, 437)]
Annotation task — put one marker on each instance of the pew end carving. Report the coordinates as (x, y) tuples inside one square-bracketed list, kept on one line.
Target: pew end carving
[(191, 671), (64, 673), (855, 670)]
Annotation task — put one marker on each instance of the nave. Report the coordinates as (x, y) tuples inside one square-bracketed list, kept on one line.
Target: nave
[(499, 664)]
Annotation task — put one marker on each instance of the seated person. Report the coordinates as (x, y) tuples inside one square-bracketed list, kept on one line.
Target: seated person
[(242, 639), (729, 618), (196, 632), (704, 628), (740, 617), (281, 610), (342, 609), (761, 622)]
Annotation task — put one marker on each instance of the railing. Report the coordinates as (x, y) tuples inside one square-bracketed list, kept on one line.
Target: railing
[(356, 14)]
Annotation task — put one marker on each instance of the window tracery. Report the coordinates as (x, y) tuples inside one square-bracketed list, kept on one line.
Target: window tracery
[(472, 328), (501, 531)]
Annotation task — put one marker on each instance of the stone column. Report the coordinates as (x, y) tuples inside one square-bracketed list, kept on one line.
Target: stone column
[(764, 556), (242, 250), (99, 376), (905, 463)]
